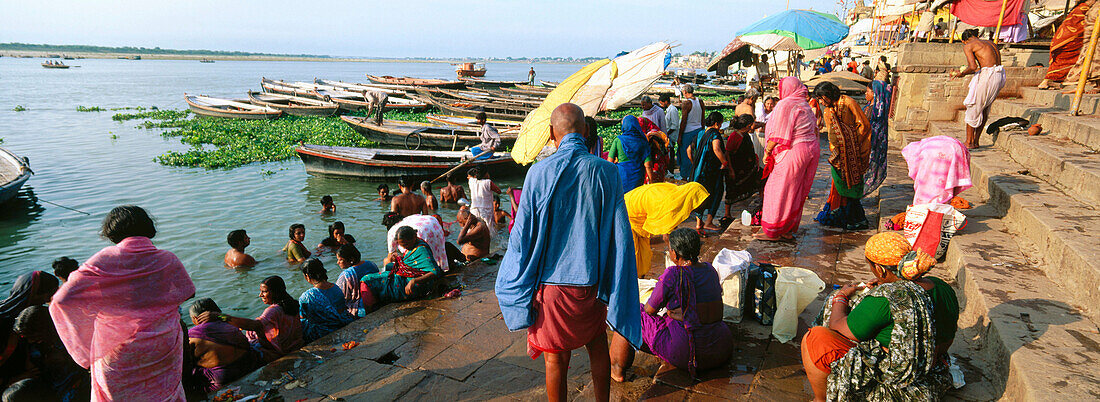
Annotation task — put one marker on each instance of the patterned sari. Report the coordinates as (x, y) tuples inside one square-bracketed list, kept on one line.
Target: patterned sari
[(389, 286), (322, 311), (908, 370), (878, 114), (1066, 45), (850, 143)]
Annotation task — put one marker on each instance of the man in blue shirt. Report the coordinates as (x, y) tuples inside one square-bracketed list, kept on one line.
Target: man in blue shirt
[(570, 263)]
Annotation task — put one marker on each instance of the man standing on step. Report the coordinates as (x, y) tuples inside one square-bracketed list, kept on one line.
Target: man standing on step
[(983, 59), (570, 268)]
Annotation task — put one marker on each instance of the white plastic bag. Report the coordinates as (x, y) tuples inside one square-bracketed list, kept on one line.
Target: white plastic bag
[(795, 288), (728, 262), (645, 288), (733, 296)]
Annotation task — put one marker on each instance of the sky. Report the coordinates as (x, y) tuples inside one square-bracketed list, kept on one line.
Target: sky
[(394, 28)]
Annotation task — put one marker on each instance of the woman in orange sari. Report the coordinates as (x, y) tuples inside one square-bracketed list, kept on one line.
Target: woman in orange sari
[(850, 145), (1066, 46)]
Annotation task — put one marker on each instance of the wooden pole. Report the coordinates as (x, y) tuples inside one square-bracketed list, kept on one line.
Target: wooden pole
[(486, 152), (1000, 21), (874, 28), (1091, 48), (954, 25)]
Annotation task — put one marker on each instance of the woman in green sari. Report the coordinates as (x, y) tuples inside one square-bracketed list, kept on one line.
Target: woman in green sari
[(888, 343), (408, 275)]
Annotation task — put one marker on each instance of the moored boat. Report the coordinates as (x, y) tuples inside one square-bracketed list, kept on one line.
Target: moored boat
[(54, 65), (387, 164), (14, 171), (236, 109), (493, 84), (470, 70), (449, 119), (470, 108), (419, 82), (293, 105), (348, 100), (416, 135), (549, 84)]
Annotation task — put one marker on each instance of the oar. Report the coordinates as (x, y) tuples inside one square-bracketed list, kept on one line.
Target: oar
[(483, 153)]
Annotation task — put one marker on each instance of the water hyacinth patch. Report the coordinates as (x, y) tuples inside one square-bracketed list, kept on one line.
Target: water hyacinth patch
[(90, 109), (18, 108)]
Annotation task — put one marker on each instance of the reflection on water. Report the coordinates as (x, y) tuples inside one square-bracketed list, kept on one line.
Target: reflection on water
[(88, 162)]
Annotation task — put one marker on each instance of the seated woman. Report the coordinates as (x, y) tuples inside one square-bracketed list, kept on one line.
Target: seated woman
[(322, 307), (222, 354), (277, 331), (409, 275), (428, 228), (336, 237), (296, 252), (66, 380), (910, 361), (691, 335), (351, 261), (30, 289)]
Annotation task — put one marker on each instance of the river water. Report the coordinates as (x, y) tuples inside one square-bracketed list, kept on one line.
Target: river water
[(86, 161)]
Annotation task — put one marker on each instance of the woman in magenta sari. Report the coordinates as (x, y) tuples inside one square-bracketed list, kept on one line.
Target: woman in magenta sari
[(118, 314), (278, 330), (792, 154), (691, 334)]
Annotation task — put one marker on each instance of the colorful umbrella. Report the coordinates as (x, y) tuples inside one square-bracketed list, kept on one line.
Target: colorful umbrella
[(602, 85), (795, 30)]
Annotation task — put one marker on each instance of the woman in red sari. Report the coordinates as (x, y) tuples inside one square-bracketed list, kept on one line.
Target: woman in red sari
[(658, 147), (792, 154)]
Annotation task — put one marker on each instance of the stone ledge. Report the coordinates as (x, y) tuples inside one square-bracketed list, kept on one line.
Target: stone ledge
[(1066, 164), (1083, 130)]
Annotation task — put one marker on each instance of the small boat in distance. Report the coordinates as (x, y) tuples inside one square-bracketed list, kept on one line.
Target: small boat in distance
[(14, 171), (293, 105), (54, 64), (217, 107), (388, 164), (420, 82), (205, 60), (470, 69)]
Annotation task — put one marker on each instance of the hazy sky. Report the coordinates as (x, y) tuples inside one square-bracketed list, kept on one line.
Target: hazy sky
[(396, 28)]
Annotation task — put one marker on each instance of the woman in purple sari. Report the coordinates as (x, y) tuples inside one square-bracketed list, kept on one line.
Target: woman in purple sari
[(222, 353), (691, 334)]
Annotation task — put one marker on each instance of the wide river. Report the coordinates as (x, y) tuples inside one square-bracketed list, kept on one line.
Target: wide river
[(86, 161)]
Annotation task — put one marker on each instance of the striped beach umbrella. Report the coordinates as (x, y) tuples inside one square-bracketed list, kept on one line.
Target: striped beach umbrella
[(795, 30)]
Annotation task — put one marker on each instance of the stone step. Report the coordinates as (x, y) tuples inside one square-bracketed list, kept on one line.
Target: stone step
[(1084, 130), (1034, 209), (1090, 104), (1018, 339), (1071, 167)]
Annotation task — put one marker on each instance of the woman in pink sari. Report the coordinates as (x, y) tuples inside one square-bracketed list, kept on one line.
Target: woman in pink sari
[(118, 314), (792, 154)]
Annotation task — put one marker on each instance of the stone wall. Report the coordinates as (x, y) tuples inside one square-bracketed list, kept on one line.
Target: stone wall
[(926, 93)]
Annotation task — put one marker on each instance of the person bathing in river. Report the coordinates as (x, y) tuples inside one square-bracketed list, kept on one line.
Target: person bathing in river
[(500, 216), (481, 196), (453, 192), (408, 202), (236, 257), (322, 306), (429, 199), (349, 259), (327, 206), (64, 266), (691, 335), (474, 237), (277, 331), (384, 193), (296, 252), (222, 353), (409, 275), (336, 237)]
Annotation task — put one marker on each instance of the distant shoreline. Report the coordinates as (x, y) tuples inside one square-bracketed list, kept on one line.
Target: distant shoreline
[(112, 55)]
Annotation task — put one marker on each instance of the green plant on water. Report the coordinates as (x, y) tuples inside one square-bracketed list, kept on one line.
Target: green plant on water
[(90, 109), (267, 172), (18, 108), (137, 108), (1, 141), (167, 114)]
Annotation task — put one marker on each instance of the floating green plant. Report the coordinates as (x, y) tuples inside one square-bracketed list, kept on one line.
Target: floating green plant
[(138, 108), (90, 109), (18, 108), (154, 114)]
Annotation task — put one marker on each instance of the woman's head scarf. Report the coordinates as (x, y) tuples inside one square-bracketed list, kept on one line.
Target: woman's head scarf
[(891, 250)]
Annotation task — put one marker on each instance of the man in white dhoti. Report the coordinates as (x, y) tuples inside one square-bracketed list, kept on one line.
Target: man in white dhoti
[(984, 61)]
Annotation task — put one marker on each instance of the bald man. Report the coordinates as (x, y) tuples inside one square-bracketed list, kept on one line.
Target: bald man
[(474, 237), (570, 268)]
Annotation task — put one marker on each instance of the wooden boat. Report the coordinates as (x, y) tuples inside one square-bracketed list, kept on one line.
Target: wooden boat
[(523, 89), (14, 171), (416, 135), (392, 90), (388, 164), (206, 61), (348, 100), (294, 105), (470, 70), (418, 82), (236, 109), (448, 119), (483, 83), (471, 109), (53, 65), (489, 97)]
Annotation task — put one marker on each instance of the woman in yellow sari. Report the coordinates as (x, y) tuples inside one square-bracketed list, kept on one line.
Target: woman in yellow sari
[(656, 209)]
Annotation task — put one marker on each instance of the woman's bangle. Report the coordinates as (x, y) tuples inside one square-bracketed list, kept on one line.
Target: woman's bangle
[(837, 299)]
